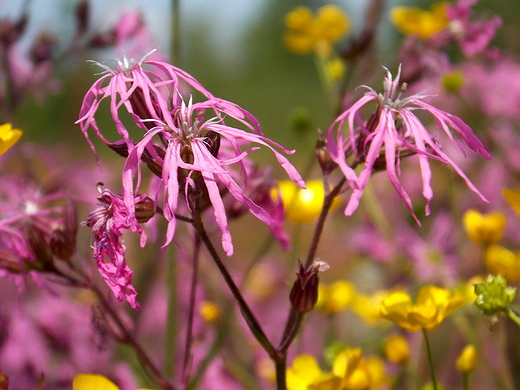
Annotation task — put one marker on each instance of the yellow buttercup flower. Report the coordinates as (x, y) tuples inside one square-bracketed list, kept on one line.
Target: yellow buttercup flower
[(209, 311), (416, 21), (397, 350), (8, 137), (349, 372), (302, 206), (513, 199), (433, 305), (368, 307), (336, 296), (502, 261), (308, 31), (94, 382), (467, 360), (484, 229)]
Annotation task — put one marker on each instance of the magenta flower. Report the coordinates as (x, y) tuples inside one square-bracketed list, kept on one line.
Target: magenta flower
[(473, 37), (108, 223), (394, 131), (197, 151)]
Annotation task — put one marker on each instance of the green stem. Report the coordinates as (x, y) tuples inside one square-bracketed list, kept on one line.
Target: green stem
[(513, 315), (176, 34), (430, 359), (465, 379)]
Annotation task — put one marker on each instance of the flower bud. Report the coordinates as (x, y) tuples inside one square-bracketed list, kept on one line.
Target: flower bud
[(61, 245), (213, 142), (322, 153), (82, 16), (304, 293), (467, 360), (484, 229), (144, 210), (120, 147), (154, 163), (39, 248), (494, 295)]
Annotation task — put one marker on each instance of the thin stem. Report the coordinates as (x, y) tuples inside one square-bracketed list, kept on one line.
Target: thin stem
[(176, 35), (513, 315), (191, 315), (171, 316), (465, 380), (248, 315), (147, 364), (281, 368), (320, 224), (430, 359)]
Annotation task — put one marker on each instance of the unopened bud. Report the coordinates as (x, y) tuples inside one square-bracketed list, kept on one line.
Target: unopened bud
[(322, 153), (61, 245), (39, 248), (144, 210), (120, 147), (42, 48), (304, 293), (154, 163), (82, 16), (494, 295)]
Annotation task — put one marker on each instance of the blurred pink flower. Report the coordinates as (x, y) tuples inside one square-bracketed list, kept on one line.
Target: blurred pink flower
[(394, 131), (473, 37), (107, 223)]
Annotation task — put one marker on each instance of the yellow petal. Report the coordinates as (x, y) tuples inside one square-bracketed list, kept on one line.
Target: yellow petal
[(300, 19), (484, 229), (376, 368), (501, 261), (299, 43), (338, 296), (467, 360), (415, 21), (332, 23), (513, 198), (304, 371), (346, 362), (8, 137), (397, 350), (396, 307), (92, 382)]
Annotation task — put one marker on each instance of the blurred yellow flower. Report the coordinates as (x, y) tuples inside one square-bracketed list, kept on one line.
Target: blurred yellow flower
[(416, 21), (433, 305), (349, 372), (396, 349), (336, 296), (302, 206), (467, 360), (502, 261), (467, 289), (513, 199), (8, 137), (368, 307), (209, 311), (94, 382), (307, 31), (484, 229)]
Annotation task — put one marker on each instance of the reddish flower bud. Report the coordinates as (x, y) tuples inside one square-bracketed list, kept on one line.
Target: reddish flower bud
[(304, 293), (144, 210)]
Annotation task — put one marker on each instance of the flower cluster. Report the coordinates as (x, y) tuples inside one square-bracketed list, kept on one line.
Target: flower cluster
[(187, 145)]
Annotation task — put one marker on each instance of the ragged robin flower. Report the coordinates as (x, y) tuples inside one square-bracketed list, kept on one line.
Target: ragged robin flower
[(392, 132), (433, 305), (8, 137), (188, 146), (416, 21), (309, 32), (484, 229)]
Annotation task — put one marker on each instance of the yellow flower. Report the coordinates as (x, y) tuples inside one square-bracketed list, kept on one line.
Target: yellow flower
[(484, 229), (467, 289), (209, 311), (502, 261), (349, 372), (302, 206), (397, 350), (8, 137), (94, 382), (415, 21), (336, 296), (433, 305), (513, 199), (467, 360), (368, 307), (307, 32), (304, 372)]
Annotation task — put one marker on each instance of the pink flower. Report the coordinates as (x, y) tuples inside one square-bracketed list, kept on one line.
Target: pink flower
[(197, 151), (473, 37), (394, 131), (108, 223)]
